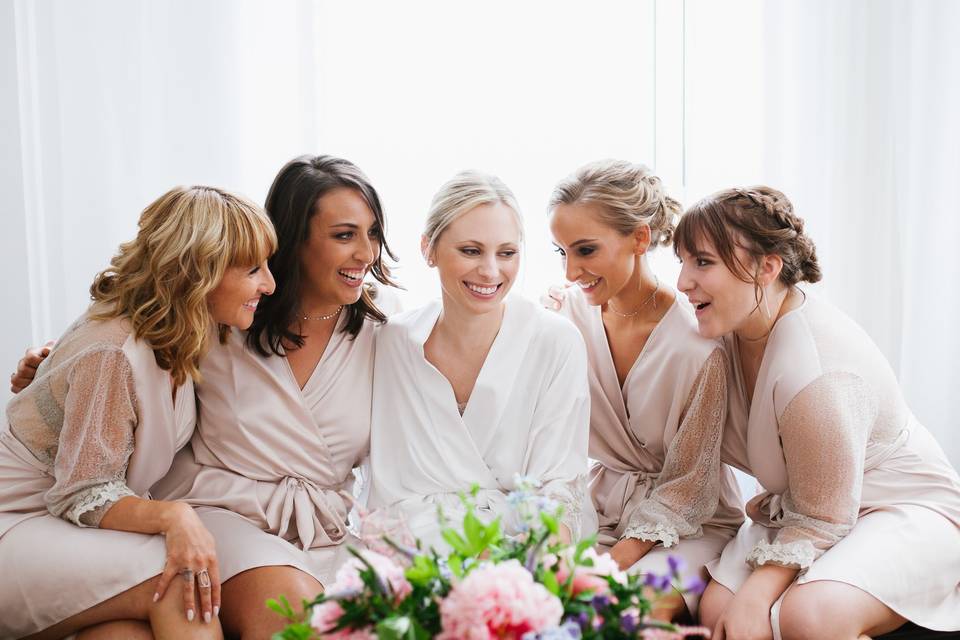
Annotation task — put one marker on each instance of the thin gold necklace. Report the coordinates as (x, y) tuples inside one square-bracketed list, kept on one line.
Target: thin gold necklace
[(642, 305), (326, 317)]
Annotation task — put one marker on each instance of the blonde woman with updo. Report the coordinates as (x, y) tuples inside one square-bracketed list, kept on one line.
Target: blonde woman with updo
[(479, 387), (83, 547), (857, 529), (657, 389)]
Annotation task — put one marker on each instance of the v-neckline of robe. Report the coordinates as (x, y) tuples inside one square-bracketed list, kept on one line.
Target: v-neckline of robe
[(422, 338), (612, 367), (741, 381), (316, 368)]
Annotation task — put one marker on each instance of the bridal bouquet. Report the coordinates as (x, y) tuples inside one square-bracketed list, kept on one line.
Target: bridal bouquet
[(489, 586)]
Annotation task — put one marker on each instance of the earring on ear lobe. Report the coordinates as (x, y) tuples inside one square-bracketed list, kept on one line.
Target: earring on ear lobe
[(431, 263)]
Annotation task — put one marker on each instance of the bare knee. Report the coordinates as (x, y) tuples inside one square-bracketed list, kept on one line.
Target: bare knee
[(169, 619), (714, 601), (244, 612), (824, 609), (118, 630)]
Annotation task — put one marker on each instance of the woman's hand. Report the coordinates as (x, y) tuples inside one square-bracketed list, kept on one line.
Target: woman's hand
[(191, 557), (27, 367), (554, 298), (744, 619), (627, 552)]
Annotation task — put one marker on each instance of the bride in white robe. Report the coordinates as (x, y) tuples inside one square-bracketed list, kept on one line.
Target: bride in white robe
[(478, 389)]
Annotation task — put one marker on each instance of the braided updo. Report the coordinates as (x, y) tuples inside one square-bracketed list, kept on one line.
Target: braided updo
[(760, 220), (628, 194)]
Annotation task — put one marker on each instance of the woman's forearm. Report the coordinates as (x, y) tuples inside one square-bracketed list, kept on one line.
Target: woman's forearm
[(766, 584), (138, 515)]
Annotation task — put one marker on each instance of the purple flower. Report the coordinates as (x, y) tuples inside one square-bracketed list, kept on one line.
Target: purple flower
[(651, 580), (665, 583), (676, 564), (694, 585), (628, 622), (600, 602), (582, 619)]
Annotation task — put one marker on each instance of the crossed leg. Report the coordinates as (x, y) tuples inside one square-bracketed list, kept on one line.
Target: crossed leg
[(133, 610)]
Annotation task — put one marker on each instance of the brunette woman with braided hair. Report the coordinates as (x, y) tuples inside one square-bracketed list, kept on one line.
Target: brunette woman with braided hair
[(856, 529)]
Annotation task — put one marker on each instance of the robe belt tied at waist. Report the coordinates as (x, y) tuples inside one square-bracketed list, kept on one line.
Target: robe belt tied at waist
[(630, 487), (308, 515), (767, 507)]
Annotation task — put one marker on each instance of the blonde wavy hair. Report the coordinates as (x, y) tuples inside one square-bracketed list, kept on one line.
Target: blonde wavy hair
[(160, 280)]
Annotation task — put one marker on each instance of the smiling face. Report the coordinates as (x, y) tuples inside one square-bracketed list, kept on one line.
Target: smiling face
[(478, 257), (600, 259), (344, 240), (724, 303), (234, 300)]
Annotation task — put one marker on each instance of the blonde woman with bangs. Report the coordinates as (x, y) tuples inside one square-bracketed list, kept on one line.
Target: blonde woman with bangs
[(83, 547)]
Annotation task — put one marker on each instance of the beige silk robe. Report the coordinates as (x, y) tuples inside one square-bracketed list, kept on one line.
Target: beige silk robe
[(855, 489), (655, 442), (271, 466), (98, 423), (528, 414)]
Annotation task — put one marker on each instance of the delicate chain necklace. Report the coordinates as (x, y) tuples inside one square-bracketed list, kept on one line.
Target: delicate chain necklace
[(326, 317), (642, 305)]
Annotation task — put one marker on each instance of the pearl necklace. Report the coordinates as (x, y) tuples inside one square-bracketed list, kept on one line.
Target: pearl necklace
[(326, 317), (642, 305)]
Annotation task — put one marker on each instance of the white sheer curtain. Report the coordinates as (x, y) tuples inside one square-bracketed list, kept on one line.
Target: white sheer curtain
[(851, 108)]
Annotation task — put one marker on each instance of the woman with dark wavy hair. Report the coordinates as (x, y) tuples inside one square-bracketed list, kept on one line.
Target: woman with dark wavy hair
[(285, 407)]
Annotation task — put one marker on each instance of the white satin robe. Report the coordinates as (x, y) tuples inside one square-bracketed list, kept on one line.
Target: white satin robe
[(528, 414)]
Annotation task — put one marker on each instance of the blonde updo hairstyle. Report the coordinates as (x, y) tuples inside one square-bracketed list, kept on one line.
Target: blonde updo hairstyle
[(160, 280), (464, 192), (760, 220), (628, 195)]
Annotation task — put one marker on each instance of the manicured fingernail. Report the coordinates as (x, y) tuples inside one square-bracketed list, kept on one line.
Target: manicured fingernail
[(216, 610), (206, 617), (156, 596), (189, 615)]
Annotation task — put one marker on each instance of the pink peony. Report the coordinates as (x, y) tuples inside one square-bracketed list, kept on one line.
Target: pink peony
[(499, 602), (325, 617), (348, 580)]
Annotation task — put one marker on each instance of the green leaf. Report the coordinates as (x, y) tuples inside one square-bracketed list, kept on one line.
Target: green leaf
[(549, 580), (492, 534), (456, 541), (283, 608), (395, 628), (549, 522), (475, 532)]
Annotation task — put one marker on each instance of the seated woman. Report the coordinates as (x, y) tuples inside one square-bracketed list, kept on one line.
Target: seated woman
[(477, 388), (285, 407), (658, 391), (856, 530), (82, 545)]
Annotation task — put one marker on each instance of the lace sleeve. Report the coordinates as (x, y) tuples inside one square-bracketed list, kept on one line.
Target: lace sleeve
[(688, 488), (824, 431), (99, 416)]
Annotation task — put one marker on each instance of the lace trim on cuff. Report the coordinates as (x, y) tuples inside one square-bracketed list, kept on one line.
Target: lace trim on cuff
[(571, 494), (793, 555), (94, 499), (658, 532)]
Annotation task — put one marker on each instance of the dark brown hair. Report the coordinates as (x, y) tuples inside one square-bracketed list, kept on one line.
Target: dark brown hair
[(760, 220), (291, 203)]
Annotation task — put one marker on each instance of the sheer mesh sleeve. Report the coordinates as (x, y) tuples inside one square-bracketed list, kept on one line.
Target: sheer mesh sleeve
[(688, 488), (824, 432), (99, 416)]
